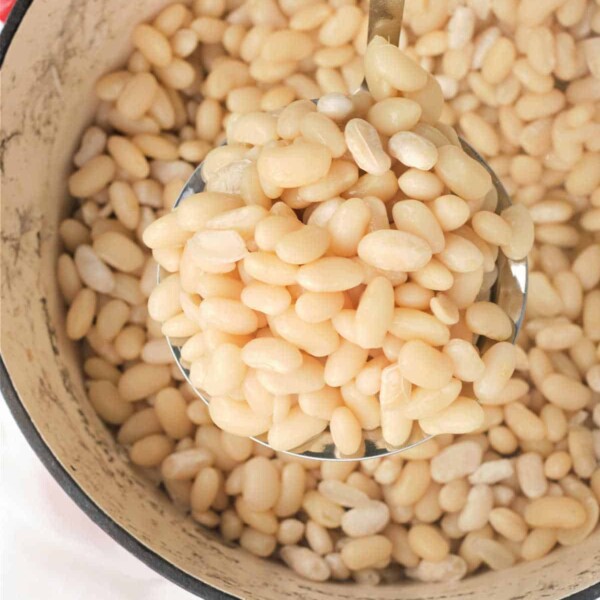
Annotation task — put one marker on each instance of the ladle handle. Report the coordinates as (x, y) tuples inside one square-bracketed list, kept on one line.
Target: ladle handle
[(385, 19)]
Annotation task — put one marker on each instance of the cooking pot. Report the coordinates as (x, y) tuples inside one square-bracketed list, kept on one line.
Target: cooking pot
[(53, 51)]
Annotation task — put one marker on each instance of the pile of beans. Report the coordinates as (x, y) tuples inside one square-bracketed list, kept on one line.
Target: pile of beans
[(521, 81), (289, 288)]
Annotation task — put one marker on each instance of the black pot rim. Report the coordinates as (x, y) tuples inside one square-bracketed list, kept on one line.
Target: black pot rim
[(66, 481)]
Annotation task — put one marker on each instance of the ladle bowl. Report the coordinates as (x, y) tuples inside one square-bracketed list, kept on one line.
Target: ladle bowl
[(509, 292)]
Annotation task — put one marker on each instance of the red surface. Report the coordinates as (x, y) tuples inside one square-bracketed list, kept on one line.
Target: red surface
[(5, 8)]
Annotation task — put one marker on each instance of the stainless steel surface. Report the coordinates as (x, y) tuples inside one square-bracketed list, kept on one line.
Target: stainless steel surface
[(509, 291), (385, 19)]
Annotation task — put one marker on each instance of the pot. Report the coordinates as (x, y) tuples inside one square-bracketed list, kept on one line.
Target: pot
[(53, 52)]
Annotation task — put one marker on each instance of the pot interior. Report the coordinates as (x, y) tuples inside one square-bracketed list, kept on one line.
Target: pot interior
[(58, 52)]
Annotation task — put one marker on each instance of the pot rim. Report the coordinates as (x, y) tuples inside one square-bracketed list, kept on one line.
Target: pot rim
[(150, 558)]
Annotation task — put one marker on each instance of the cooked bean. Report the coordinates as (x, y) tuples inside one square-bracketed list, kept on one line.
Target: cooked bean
[(318, 339), (367, 519), (559, 512), (343, 364), (523, 422), (93, 177), (393, 115), (365, 408), (522, 229), (143, 380), (499, 363), (290, 532), (495, 554), (81, 314), (306, 563), (581, 448), (468, 366), (118, 251), (266, 298), (424, 366), (565, 392), (107, 402), (538, 543), (151, 451), (128, 156), (428, 543), (530, 474), (460, 254), (255, 128), (261, 484), (488, 319), (374, 313), (346, 430), (303, 245), (237, 417), (272, 354), (412, 484), (456, 461), (414, 217), (269, 268), (330, 274), (153, 45), (411, 324), (464, 415), (394, 250), (413, 150), (137, 95), (389, 62), (365, 552), (226, 370), (462, 174), (316, 127), (421, 185), (296, 429), (364, 144), (347, 226), (139, 425), (171, 411), (423, 402), (316, 307), (295, 165), (341, 176), (228, 315)]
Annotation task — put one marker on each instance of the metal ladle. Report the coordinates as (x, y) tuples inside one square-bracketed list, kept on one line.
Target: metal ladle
[(509, 291)]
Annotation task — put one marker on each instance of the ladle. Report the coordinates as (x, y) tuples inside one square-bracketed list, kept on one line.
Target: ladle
[(509, 290)]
